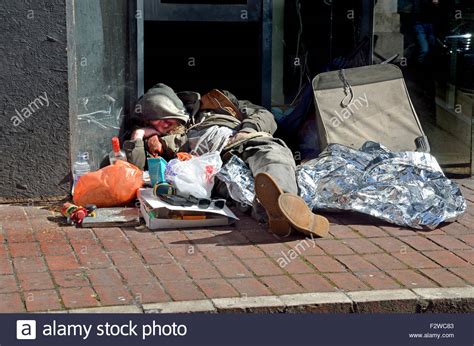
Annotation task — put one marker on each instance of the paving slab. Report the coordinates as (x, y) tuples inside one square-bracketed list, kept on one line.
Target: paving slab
[(366, 264)]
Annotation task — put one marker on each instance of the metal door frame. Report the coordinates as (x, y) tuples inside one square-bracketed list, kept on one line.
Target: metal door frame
[(257, 11)]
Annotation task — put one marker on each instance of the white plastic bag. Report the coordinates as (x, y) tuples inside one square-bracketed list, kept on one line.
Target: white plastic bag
[(210, 139), (194, 177)]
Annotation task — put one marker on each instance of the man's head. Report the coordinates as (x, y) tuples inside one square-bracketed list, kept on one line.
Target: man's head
[(164, 126), (162, 109)]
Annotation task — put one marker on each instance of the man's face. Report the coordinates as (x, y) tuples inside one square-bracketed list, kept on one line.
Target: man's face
[(164, 126)]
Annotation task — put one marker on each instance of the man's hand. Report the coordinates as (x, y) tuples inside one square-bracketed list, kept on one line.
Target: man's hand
[(155, 147), (138, 134), (144, 133)]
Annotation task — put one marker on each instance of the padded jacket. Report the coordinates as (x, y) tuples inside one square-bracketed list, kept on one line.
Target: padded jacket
[(254, 119)]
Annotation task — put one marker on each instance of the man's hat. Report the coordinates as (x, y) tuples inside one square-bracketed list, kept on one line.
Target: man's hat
[(161, 102)]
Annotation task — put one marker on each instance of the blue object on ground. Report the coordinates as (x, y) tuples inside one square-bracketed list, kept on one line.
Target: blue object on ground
[(156, 169)]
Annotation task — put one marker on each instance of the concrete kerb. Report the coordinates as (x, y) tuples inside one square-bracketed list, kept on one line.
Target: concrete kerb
[(120, 309), (318, 302), (250, 304), (180, 307), (400, 300), (377, 301), (457, 299), (447, 300)]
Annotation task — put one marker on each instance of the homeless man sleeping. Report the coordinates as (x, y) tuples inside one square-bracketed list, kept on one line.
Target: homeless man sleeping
[(164, 122)]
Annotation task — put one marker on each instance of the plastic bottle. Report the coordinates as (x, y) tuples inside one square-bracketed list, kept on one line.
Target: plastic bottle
[(116, 153), (80, 167)]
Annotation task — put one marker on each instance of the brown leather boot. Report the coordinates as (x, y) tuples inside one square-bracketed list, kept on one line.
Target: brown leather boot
[(268, 191), (298, 215)]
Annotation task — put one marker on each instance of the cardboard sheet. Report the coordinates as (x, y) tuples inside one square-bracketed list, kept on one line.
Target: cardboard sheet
[(151, 208), (113, 217)]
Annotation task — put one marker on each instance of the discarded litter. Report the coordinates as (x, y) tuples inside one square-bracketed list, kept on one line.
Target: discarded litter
[(194, 177), (80, 167), (182, 212), (156, 170), (111, 186), (91, 216), (116, 153), (76, 214)]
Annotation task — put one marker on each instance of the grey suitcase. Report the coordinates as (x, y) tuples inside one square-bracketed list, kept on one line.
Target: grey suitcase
[(367, 103)]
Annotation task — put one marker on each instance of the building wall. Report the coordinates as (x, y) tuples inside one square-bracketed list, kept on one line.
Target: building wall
[(99, 80), (387, 28), (34, 119)]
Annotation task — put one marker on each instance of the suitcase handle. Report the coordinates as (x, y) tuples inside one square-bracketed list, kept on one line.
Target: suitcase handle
[(347, 89)]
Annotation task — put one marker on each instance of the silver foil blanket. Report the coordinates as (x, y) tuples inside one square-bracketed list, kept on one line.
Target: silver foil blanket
[(239, 180), (404, 188)]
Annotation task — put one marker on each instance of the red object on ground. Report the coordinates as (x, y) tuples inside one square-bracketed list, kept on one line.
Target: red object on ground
[(74, 212)]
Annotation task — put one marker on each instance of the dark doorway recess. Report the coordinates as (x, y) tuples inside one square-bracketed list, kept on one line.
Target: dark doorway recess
[(323, 34), (213, 2), (200, 56)]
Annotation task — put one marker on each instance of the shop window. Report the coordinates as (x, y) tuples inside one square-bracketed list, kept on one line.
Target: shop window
[(433, 40)]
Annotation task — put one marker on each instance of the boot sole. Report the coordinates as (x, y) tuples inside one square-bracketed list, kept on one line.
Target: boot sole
[(268, 192), (299, 216)]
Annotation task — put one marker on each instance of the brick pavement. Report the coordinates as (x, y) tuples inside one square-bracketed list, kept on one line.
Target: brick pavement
[(45, 266)]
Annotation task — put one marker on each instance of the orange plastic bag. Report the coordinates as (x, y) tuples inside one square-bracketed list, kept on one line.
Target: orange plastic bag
[(112, 186)]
